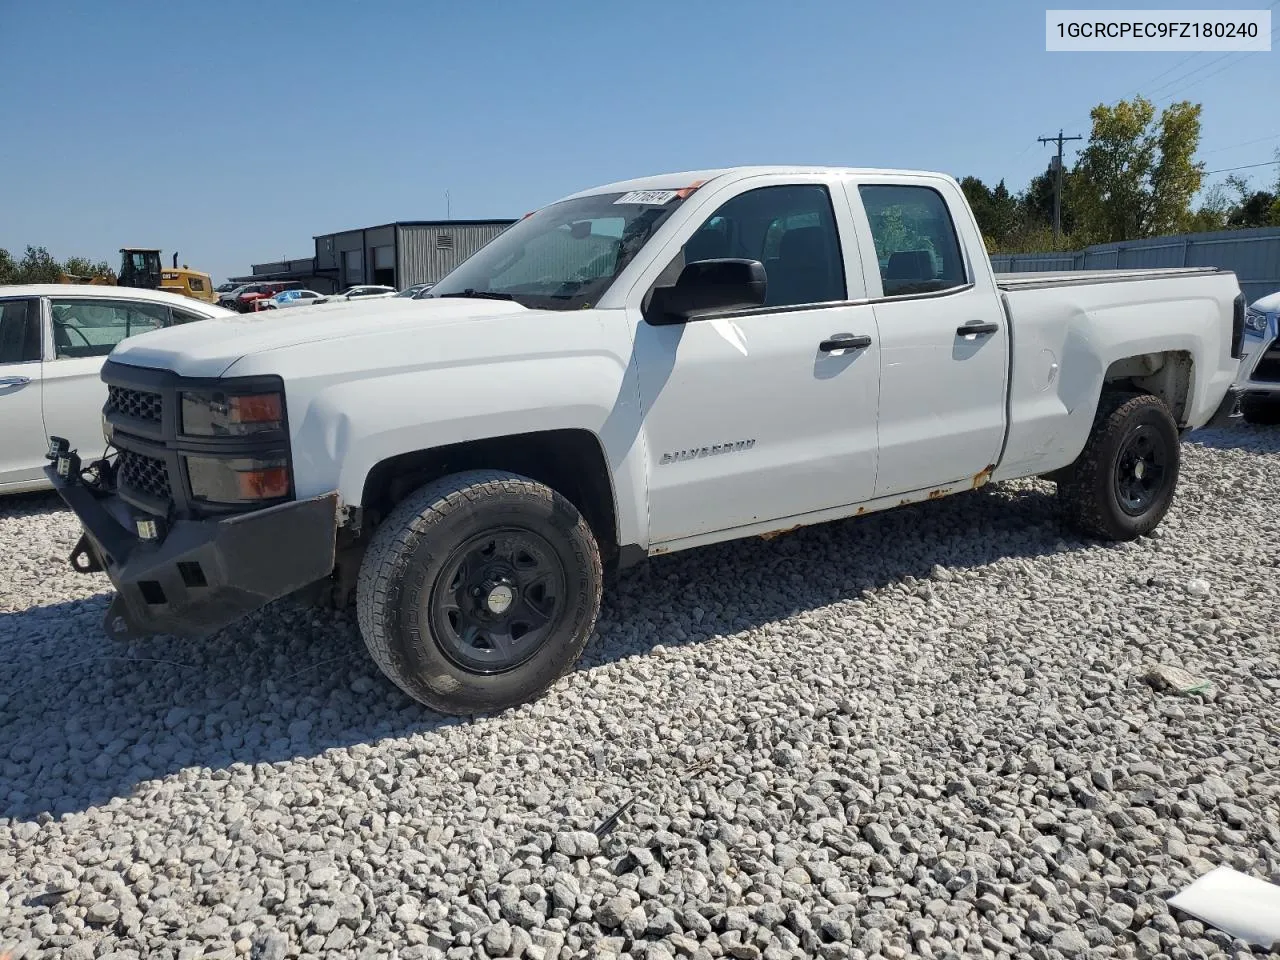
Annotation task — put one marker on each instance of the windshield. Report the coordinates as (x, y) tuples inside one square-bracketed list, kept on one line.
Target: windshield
[(565, 256)]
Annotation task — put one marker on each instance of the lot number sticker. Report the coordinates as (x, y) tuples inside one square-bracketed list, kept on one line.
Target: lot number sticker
[(655, 198)]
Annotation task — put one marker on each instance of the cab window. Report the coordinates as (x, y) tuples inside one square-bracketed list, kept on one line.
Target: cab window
[(916, 242), (91, 328), (791, 229)]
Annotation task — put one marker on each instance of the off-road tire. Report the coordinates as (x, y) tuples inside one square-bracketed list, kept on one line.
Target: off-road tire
[(1087, 488), (407, 555), (1260, 411)]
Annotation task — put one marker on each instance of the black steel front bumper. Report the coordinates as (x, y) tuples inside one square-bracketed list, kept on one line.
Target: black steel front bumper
[(199, 575), (1227, 409)]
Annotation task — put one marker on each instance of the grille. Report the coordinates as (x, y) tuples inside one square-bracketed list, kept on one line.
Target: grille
[(139, 404), (1268, 367), (146, 475)]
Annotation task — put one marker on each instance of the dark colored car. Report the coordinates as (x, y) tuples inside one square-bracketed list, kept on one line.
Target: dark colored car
[(414, 291)]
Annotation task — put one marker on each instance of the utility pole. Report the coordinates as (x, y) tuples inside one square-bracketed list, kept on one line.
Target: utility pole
[(448, 206), (1057, 181)]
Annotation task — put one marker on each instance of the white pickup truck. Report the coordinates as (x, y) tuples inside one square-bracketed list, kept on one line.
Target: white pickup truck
[(636, 369)]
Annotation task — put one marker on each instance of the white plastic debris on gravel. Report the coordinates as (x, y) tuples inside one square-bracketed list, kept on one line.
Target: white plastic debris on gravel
[(929, 732)]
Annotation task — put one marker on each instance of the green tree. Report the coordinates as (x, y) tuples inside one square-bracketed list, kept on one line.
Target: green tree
[(1136, 176), (995, 209), (84, 267), (38, 266), (1213, 212), (8, 267)]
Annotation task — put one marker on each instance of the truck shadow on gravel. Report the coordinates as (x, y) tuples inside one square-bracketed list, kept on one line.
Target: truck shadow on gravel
[(1238, 436), (84, 719)]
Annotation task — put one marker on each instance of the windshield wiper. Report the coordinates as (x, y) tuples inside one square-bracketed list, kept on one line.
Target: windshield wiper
[(478, 294)]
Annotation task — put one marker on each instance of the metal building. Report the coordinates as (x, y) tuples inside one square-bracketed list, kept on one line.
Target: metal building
[(391, 254), (402, 253)]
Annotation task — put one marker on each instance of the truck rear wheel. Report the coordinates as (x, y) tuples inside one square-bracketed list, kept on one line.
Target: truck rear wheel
[(1260, 411), (1122, 484), (479, 591)]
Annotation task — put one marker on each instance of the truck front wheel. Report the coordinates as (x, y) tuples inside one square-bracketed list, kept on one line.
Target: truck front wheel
[(479, 591), (1122, 484)]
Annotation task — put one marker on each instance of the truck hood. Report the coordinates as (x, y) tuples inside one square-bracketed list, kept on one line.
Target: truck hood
[(206, 348)]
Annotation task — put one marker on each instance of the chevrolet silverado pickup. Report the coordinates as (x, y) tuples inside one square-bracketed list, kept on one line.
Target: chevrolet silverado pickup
[(636, 369)]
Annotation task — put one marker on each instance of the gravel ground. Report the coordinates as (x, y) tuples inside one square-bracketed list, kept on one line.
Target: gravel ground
[(926, 732)]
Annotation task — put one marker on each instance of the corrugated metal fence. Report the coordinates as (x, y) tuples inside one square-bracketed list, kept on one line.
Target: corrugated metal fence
[(1253, 254)]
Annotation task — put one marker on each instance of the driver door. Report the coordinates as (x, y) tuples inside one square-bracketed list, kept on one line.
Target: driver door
[(760, 415)]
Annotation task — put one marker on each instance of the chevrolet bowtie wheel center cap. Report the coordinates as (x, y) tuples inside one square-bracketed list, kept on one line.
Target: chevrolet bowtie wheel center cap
[(499, 599)]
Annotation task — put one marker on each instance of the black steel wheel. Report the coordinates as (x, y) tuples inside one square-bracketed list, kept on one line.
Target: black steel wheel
[(1122, 484), (1140, 469), (497, 599), (479, 591)]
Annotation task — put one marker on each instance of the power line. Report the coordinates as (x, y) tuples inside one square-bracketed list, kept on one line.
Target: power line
[(1247, 143), (1170, 84), (1196, 81), (1247, 166)]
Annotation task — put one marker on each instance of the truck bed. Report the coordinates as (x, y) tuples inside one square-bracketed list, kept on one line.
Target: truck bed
[(1071, 278)]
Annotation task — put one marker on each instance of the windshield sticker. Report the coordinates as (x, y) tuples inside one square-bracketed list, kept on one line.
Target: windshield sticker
[(653, 198)]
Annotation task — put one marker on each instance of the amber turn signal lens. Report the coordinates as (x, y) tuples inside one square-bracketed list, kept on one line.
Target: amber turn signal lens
[(265, 484), (255, 408)]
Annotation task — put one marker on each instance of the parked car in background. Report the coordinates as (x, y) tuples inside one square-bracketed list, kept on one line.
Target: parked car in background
[(291, 298), (53, 341), (1259, 380), (415, 290), (243, 297), (225, 287), (364, 291)]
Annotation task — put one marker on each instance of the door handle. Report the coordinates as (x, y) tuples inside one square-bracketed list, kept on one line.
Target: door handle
[(844, 341), (13, 381), (976, 327)]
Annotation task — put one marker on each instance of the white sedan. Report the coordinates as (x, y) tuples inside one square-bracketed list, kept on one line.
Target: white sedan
[(53, 341), (363, 292), (291, 298)]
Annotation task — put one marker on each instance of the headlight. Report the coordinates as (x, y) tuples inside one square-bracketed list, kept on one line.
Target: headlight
[(215, 413), (237, 479), (1255, 320)]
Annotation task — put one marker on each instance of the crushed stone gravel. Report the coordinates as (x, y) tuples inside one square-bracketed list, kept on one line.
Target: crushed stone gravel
[(922, 733)]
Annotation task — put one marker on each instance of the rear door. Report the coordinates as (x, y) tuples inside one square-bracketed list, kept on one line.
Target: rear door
[(944, 345), (22, 435), (85, 329)]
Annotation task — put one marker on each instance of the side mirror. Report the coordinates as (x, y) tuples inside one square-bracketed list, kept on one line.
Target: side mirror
[(709, 286)]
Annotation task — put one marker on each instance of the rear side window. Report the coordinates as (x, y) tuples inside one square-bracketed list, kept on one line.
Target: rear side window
[(19, 331), (90, 328), (184, 316), (916, 242)]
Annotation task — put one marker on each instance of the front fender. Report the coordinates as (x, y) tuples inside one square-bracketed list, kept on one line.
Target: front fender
[(347, 428)]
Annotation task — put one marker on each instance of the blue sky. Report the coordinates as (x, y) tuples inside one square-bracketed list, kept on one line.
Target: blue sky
[(234, 131)]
